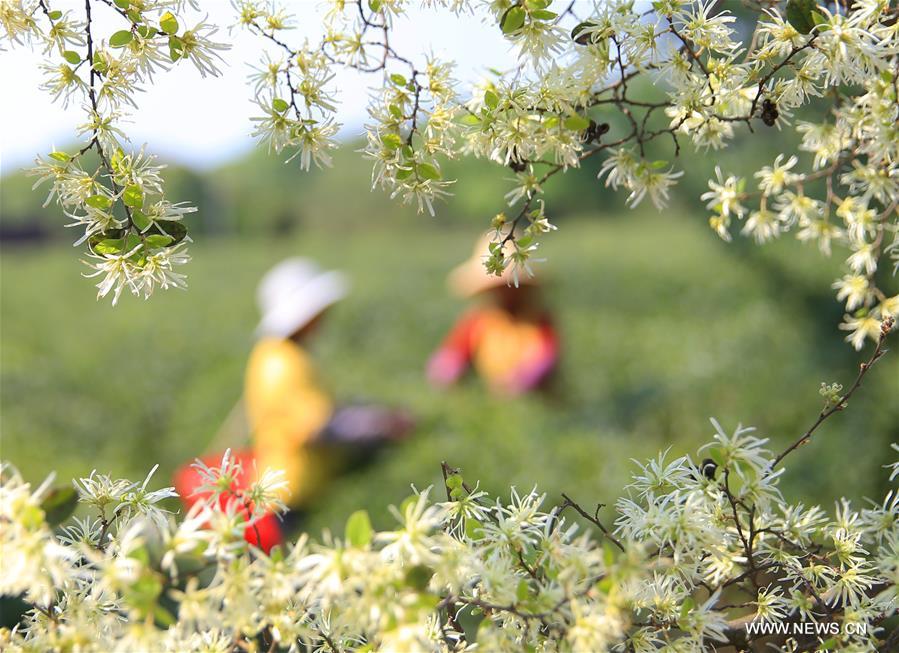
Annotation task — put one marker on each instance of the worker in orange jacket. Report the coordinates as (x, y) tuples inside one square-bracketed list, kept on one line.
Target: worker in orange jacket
[(508, 338)]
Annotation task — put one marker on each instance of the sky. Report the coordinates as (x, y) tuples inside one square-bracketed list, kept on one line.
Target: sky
[(202, 123)]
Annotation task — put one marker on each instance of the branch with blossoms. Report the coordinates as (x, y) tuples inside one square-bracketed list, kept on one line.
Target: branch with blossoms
[(580, 90), (413, 109), (836, 399), (702, 557), (133, 236), (608, 80)]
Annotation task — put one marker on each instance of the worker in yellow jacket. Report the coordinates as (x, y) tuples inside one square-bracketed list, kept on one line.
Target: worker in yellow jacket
[(294, 423)]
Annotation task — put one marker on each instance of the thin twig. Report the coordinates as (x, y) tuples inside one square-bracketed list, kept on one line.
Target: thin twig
[(593, 519), (839, 405)]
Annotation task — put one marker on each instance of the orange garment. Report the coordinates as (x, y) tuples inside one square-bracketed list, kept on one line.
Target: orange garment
[(286, 409), (264, 532), (513, 353)]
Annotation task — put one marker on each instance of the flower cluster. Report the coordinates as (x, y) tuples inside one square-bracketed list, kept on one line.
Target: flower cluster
[(616, 79), (578, 92), (701, 556), (114, 195), (691, 542), (413, 112)]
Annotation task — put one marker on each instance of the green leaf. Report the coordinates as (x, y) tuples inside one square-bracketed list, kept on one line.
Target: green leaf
[(168, 23), (140, 220), (799, 15), (491, 99), (523, 590), (133, 196), (543, 14), (820, 20), (403, 174), (143, 592), (580, 35), (134, 16), (163, 616), (686, 607), (172, 228), (576, 122), (395, 111), (122, 4), (398, 79), (158, 241), (100, 202), (72, 57), (280, 105), (473, 529), (99, 63), (59, 505), (470, 119), (55, 15), (658, 165), (608, 554), (427, 171), (147, 32), (131, 242), (513, 19), (176, 48), (374, 5), (108, 246), (121, 38), (60, 156), (392, 141), (358, 529), (418, 577)]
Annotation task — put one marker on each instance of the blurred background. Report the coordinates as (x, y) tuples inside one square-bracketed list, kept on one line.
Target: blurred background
[(662, 324)]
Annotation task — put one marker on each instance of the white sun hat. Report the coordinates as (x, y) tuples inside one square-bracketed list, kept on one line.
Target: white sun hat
[(293, 292)]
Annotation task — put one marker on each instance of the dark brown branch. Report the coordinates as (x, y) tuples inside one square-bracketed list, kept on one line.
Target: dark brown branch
[(593, 519)]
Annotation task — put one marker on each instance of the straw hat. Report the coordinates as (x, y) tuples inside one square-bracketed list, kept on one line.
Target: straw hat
[(471, 277), (293, 292)]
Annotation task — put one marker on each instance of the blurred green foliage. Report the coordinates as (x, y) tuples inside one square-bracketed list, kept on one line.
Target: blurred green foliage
[(663, 326)]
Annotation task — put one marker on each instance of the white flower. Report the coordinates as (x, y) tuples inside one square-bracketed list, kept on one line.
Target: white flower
[(854, 289), (412, 543), (725, 194), (763, 225), (139, 501), (771, 607), (197, 46), (773, 179), (861, 327)]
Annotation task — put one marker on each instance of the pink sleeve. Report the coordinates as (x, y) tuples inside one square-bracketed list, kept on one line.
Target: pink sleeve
[(451, 360)]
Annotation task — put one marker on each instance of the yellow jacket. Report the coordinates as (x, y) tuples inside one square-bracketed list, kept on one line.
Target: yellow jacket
[(286, 410)]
